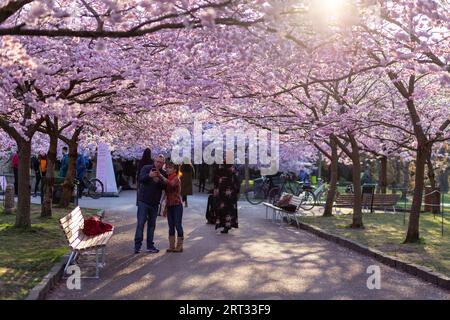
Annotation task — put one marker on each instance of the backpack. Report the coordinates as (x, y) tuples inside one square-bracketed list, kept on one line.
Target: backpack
[(43, 165)]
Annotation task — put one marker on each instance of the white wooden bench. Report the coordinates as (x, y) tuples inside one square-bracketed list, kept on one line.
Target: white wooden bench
[(277, 211), (72, 225)]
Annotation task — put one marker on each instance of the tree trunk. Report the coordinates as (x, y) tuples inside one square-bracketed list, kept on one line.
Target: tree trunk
[(68, 184), (405, 185), (382, 179), (397, 170), (328, 212), (23, 217), (356, 172), (49, 180), (430, 172), (443, 179), (413, 226), (436, 196)]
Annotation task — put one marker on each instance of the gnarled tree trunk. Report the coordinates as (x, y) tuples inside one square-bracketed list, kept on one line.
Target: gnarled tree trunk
[(413, 226), (436, 195), (49, 180), (382, 178), (405, 184)]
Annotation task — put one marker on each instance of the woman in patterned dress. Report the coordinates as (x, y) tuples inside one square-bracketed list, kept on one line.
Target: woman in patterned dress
[(226, 190)]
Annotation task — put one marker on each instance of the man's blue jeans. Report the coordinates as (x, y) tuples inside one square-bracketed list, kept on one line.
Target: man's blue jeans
[(174, 218), (146, 213)]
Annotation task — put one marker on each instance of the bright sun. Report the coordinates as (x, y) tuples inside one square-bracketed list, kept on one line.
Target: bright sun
[(329, 9)]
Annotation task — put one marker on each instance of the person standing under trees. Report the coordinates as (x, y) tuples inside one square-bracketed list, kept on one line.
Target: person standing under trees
[(37, 173), (81, 166), (202, 176), (366, 177), (151, 178), (146, 160), (64, 163), (43, 168), (226, 190), (15, 167), (174, 207), (186, 173), (118, 169), (128, 171)]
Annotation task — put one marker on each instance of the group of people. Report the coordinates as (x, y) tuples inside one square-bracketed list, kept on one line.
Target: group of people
[(159, 175), (39, 165)]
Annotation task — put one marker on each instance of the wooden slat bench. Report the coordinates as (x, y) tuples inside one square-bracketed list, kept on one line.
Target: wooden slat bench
[(295, 200), (72, 225), (383, 201)]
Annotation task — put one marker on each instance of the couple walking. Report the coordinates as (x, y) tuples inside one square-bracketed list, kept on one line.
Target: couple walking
[(153, 179)]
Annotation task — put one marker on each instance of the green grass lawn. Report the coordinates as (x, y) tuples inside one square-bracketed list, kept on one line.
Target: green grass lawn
[(386, 233), (26, 256), (406, 205)]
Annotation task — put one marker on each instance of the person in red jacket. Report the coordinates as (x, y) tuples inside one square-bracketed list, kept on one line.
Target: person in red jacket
[(15, 166), (174, 207)]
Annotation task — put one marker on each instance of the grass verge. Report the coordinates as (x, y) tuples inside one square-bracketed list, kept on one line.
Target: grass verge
[(386, 232), (27, 255)]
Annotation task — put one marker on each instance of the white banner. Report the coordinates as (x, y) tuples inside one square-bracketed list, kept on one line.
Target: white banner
[(105, 169)]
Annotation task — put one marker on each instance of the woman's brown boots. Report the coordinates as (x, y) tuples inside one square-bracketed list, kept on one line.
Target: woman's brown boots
[(178, 247), (171, 244)]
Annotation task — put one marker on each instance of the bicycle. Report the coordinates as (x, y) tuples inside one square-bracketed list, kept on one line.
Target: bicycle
[(299, 189), (260, 192), (289, 185), (320, 194), (94, 187)]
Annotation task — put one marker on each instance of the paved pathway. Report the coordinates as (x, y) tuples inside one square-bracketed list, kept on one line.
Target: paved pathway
[(260, 260)]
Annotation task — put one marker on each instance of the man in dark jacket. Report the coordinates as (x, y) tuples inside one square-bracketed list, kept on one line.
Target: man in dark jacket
[(37, 173), (149, 195)]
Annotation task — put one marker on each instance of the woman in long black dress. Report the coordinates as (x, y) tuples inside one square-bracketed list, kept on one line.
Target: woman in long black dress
[(225, 193)]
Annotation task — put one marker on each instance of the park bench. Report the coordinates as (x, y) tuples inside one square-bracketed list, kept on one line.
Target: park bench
[(380, 200), (295, 200), (72, 225), (383, 201)]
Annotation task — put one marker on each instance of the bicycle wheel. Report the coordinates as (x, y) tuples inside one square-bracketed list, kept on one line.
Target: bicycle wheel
[(95, 189), (255, 195), (308, 200), (322, 198)]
